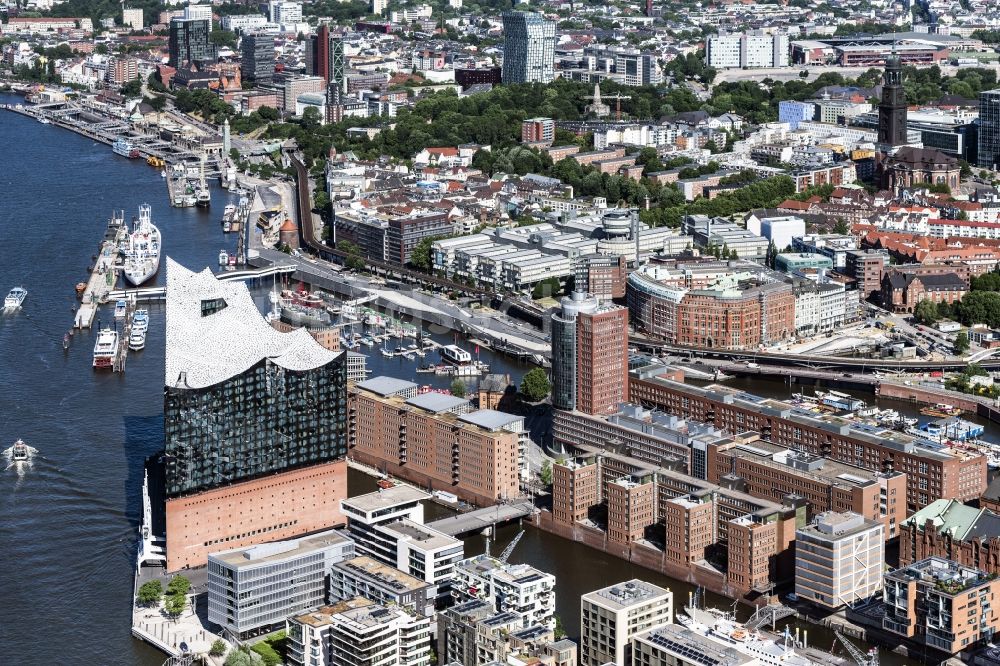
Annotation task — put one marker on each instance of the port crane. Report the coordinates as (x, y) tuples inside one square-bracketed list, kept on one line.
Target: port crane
[(869, 658)]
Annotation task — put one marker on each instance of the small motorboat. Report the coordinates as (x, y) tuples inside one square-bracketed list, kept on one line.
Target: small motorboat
[(19, 452), (80, 288), (223, 258), (121, 308), (66, 340), (14, 298)]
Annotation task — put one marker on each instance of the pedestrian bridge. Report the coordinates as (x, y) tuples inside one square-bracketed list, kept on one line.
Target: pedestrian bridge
[(159, 293), (481, 519)]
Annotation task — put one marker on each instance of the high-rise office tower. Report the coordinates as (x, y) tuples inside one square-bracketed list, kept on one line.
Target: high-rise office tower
[(258, 58), (564, 354), (528, 48), (189, 41), (601, 359), (989, 128), (325, 57), (892, 107), (255, 424)]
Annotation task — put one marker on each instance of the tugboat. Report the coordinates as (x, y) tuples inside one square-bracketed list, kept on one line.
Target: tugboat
[(19, 452)]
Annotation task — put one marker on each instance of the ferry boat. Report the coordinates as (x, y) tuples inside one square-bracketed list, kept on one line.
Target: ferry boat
[(121, 307), (722, 628), (19, 452), (142, 254), (202, 198), (941, 409), (456, 355), (140, 320), (14, 298), (106, 348), (125, 148)]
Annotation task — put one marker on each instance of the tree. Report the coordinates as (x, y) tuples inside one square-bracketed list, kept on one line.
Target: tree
[(178, 585), (132, 89), (150, 593), (267, 653), (841, 227), (311, 119), (547, 288), (545, 473), (535, 385), (925, 312), (458, 388), (321, 201), (560, 630), (961, 343), (175, 605), (218, 648), (244, 657), (421, 257), (156, 102)]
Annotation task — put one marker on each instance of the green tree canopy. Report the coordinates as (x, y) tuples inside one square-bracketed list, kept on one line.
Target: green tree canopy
[(150, 593), (535, 385), (458, 388), (961, 342)]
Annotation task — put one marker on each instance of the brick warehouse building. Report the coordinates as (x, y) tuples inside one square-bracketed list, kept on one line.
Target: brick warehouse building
[(929, 473), (255, 424), (435, 440), (954, 531)]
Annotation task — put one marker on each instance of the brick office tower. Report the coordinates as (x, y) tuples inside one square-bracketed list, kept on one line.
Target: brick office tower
[(255, 424), (601, 360)]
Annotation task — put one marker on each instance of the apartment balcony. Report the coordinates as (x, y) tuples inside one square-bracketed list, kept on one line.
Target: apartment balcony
[(896, 627)]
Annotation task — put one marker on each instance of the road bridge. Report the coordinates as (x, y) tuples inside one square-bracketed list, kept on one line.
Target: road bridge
[(481, 519)]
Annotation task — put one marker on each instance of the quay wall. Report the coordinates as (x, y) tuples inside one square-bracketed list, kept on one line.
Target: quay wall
[(643, 556)]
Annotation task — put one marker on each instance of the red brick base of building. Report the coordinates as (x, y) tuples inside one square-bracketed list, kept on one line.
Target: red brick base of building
[(644, 556), (275, 507)]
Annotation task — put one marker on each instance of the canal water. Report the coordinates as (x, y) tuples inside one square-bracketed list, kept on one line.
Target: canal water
[(68, 521)]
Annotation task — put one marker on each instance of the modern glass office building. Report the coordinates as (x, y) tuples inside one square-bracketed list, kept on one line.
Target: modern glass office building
[(564, 347), (528, 48), (189, 41), (989, 128), (258, 58)]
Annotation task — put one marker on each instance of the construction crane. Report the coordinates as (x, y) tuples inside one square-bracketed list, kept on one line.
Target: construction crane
[(861, 658), (618, 97), (505, 555)]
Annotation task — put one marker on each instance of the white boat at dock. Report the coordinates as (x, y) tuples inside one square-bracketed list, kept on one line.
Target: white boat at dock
[(223, 258), (142, 253), (121, 308), (106, 348), (15, 297)]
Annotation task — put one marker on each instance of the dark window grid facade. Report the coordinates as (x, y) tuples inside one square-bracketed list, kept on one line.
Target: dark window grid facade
[(262, 421)]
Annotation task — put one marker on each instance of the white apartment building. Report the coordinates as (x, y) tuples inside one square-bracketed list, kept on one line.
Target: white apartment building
[(132, 18), (284, 12), (359, 631), (196, 11), (515, 588), (611, 616), (838, 559), (778, 230), (747, 51), (247, 23)]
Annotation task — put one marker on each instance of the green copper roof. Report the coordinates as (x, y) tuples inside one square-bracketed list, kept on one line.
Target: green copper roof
[(949, 516)]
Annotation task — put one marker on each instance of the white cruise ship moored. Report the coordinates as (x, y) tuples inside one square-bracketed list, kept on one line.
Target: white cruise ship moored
[(142, 254)]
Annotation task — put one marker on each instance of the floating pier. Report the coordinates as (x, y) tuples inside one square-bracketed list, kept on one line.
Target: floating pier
[(103, 275)]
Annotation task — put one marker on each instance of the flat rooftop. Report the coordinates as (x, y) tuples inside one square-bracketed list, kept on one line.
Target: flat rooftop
[(386, 498), (437, 403), (627, 594), (490, 419), (323, 616), (386, 386), (427, 537), (382, 574), (279, 550), (692, 647)]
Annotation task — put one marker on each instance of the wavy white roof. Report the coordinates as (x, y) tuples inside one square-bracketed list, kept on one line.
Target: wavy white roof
[(202, 351)]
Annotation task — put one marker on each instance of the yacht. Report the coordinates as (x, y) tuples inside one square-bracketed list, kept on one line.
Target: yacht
[(137, 339), (106, 348), (14, 298)]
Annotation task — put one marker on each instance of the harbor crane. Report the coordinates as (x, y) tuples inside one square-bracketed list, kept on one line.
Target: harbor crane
[(861, 658)]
